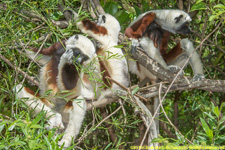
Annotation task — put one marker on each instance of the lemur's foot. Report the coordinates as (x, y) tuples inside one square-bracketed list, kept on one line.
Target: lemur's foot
[(65, 141), (175, 69), (198, 77), (68, 56), (54, 122)]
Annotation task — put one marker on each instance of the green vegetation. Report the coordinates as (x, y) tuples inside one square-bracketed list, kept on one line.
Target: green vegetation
[(200, 113)]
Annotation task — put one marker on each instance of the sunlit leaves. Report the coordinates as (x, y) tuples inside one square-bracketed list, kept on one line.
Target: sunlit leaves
[(111, 7), (198, 6)]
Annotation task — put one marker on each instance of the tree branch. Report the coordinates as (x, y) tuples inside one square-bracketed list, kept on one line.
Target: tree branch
[(31, 79)]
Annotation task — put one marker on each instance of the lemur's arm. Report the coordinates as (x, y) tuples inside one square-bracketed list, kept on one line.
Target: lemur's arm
[(195, 60), (50, 50), (185, 48), (47, 52), (68, 73)]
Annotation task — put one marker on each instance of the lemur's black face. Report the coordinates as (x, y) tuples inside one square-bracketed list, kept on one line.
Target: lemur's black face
[(79, 56), (184, 28)]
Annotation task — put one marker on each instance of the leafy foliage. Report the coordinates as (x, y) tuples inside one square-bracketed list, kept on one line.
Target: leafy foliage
[(200, 120)]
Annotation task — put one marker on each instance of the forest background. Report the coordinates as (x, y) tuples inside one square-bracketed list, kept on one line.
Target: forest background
[(193, 113)]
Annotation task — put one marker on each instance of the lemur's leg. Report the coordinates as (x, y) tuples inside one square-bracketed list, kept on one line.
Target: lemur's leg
[(76, 117), (93, 30), (47, 52), (156, 105), (44, 59), (39, 104), (195, 60)]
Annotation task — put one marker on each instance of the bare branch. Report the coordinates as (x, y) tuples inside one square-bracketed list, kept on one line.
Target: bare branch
[(31, 79), (98, 6)]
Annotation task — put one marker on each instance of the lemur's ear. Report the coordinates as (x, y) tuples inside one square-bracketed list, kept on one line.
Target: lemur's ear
[(104, 18), (76, 37)]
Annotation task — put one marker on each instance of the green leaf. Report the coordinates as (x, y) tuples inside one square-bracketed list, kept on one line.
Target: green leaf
[(222, 120), (179, 137), (111, 7), (107, 147), (213, 17), (11, 127), (207, 130), (135, 90), (122, 16), (198, 6), (216, 111), (222, 127), (2, 127), (220, 140), (138, 10), (158, 140), (219, 6), (118, 46), (198, 1), (36, 126), (223, 1), (39, 117), (209, 115)]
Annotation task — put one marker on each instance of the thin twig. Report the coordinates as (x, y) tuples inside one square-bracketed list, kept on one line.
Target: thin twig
[(123, 87), (37, 54), (31, 79), (91, 129)]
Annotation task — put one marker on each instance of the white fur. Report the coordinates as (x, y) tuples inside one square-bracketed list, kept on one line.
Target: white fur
[(76, 117), (117, 62), (166, 18), (41, 59), (195, 60), (35, 103), (83, 43), (83, 90), (152, 51), (73, 117), (186, 45), (143, 73)]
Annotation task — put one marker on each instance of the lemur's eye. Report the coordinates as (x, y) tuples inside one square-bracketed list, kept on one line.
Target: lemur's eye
[(104, 18), (178, 18)]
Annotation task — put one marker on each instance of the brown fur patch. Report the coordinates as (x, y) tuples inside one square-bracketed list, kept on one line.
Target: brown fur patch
[(68, 106), (44, 100), (70, 76), (52, 73), (138, 28), (164, 43), (89, 25), (105, 73), (99, 51), (173, 53), (138, 66), (50, 50), (85, 78)]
